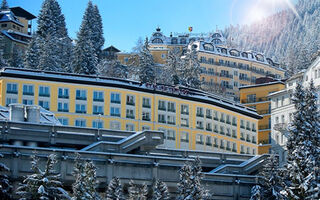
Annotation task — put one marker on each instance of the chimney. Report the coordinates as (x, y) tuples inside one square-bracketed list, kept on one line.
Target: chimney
[(16, 112), (33, 114)]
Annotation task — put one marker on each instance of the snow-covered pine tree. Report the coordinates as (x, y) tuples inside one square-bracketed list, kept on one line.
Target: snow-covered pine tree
[(48, 60), (301, 159), (114, 191), (85, 59), (3, 62), (173, 66), (4, 5), (112, 68), (5, 186), (32, 54), (138, 47), (271, 180), (97, 31), (313, 126), (190, 71), (51, 30), (256, 193), (137, 193), (16, 59), (144, 68), (84, 187), (160, 191), (42, 184), (189, 186)]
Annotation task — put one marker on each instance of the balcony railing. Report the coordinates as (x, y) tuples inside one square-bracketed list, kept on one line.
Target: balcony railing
[(63, 96), (28, 93), (81, 98), (255, 100), (280, 127), (12, 91), (200, 115), (44, 95), (146, 105), (98, 100)]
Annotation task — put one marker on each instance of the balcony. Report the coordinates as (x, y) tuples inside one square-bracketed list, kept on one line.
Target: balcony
[(162, 121), (248, 128), (81, 98), (254, 141), (263, 112), (264, 127), (222, 120), (44, 95), (208, 143), (146, 105), (222, 147), (262, 99), (242, 126), (228, 134), (184, 140), (281, 127), (234, 136), (28, 93), (228, 149), (98, 100), (248, 140), (12, 92), (63, 96), (184, 125)]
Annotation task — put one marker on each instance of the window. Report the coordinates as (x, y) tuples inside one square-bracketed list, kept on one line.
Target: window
[(282, 101), (215, 142), (242, 149), (253, 151), (145, 128), (80, 123), (199, 112), (171, 120), (171, 135), (146, 116), (63, 107), (161, 118), (248, 150), (130, 114), (222, 130), (216, 115), (209, 114), (98, 96), (199, 125), (241, 136), (64, 121), (184, 137), (115, 98), (97, 124), (44, 91), (163, 56), (81, 95), (228, 132), (114, 111), (146, 102), (115, 125), (130, 100), (222, 117), (81, 108), (234, 147), (248, 126), (208, 141), (228, 121), (12, 88), (10, 101), (209, 126), (184, 109), (228, 146), (63, 93), (254, 127), (184, 122), (130, 127), (28, 90), (234, 121), (162, 105), (27, 102), (241, 123), (234, 133), (171, 107), (4, 25), (44, 104), (199, 139), (251, 98), (221, 144), (97, 110)]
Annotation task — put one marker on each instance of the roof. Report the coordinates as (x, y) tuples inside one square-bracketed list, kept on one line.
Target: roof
[(20, 12), (9, 16), (261, 85), (111, 48), (7, 34), (167, 90)]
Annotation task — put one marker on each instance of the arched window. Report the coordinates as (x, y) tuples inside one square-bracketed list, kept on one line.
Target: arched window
[(270, 61), (234, 52), (216, 41), (174, 41), (216, 35), (244, 54), (208, 47), (224, 51), (157, 41), (157, 35), (260, 57)]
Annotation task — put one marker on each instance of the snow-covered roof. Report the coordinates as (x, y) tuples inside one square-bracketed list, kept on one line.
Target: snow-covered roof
[(252, 56), (262, 84), (8, 16), (167, 90), (7, 34)]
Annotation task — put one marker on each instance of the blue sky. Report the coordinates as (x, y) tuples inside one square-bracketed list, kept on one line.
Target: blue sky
[(124, 21)]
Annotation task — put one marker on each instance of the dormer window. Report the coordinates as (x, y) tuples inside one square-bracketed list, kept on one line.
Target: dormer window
[(259, 57), (244, 54), (224, 51), (183, 41), (234, 52), (157, 41), (216, 41), (208, 47), (174, 41)]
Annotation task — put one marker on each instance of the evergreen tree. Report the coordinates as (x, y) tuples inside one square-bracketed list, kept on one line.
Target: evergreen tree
[(16, 59), (86, 181), (114, 191), (5, 186), (139, 45), (144, 67), (190, 71), (302, 175), (97, 31), (4, 5), (32, 54), (3, 62), (189, 186), (160, 191), (173, 66), (51, 33), (270, 182), (85, 56), (137, 193), (112, 68), (42, 184), (256, 193)]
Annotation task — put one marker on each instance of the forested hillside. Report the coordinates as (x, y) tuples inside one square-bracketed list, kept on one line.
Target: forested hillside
[(291, 40)]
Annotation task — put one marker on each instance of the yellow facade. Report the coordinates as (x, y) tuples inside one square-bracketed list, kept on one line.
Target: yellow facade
[(206, 126), (255, 96)]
